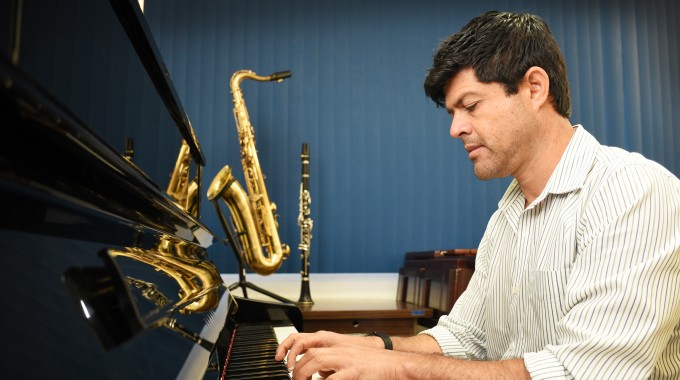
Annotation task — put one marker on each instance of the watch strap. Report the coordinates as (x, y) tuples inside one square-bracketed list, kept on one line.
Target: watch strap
[(385, 338)]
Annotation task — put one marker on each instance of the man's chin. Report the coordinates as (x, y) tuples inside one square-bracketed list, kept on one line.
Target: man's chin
[(485, 174), (482, 177)]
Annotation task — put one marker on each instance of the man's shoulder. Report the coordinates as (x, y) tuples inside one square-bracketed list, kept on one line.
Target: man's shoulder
[(598, 160), (620, 180), (612, 162)]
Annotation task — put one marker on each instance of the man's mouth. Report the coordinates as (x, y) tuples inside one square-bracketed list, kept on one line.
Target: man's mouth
[(472, 149)]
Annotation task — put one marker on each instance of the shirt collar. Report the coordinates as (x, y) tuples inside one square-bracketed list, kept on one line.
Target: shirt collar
[(569, 174)]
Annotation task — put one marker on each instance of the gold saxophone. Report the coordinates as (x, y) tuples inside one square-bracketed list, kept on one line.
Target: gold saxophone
[(180, 188), (253, 215), (197, 277), (184, 262)]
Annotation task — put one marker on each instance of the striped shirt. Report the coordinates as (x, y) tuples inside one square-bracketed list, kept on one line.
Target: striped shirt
[(585, 282)]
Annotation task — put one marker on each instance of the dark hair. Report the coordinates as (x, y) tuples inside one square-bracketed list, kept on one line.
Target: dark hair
[(501, 47)]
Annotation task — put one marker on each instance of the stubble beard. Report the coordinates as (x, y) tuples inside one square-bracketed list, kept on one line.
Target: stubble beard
[(487, 168), (485, 171)]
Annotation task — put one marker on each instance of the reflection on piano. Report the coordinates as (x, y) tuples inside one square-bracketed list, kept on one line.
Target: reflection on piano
[(105, 274)]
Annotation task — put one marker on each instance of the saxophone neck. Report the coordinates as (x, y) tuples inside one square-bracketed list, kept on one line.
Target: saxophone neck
[(240, 110), (241, 75)]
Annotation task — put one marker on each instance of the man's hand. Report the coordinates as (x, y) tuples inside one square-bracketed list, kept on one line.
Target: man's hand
[(341, 357), (297, 344), (345, 362)]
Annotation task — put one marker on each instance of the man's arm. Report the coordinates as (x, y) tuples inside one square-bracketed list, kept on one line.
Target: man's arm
[(416, 357), (359, 362), (420, 343), (438, 367), (297, 344)]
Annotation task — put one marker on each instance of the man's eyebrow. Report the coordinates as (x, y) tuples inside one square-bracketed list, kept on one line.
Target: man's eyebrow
[(459, 102)]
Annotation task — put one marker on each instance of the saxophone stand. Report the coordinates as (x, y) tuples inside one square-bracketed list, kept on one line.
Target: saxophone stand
[(242, 282)]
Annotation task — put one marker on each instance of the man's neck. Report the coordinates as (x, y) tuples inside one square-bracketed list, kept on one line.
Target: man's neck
[(537, 172)]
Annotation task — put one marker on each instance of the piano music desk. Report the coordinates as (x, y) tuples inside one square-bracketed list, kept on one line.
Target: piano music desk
[(363, 316)]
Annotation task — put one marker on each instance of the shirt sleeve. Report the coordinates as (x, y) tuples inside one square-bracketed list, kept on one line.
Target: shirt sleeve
[(622, 294), (461, 333)]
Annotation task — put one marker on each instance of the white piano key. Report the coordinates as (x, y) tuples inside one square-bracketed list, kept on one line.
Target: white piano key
[(282, 333)]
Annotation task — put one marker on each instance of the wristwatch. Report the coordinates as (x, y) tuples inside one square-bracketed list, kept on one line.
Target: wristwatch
[(385, 338)]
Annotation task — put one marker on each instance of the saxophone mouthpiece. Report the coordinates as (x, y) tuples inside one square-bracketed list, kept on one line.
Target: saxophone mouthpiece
[(280, 75)]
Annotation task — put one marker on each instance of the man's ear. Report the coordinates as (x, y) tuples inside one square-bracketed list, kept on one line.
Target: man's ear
[(539, 85)]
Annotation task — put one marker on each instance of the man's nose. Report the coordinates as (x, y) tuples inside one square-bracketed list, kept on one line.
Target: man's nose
[(459, 127)]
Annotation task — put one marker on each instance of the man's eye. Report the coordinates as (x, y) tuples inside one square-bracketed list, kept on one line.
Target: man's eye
[(471, 107)]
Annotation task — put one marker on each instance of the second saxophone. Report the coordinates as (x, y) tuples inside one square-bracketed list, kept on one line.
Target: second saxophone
[(253, 215)]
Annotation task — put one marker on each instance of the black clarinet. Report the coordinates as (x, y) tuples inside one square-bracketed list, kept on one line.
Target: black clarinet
[(305, 222)]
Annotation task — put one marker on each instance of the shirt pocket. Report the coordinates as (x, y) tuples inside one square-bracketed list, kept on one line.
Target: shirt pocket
[(547, 286), (546, 303)]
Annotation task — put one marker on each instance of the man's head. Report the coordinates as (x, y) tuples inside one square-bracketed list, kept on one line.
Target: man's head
[(501, 47)]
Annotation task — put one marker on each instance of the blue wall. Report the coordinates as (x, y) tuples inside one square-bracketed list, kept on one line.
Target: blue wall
[(385, 176)]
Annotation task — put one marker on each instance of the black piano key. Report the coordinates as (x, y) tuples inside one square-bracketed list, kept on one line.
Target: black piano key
[(268, 376), (257, 373), (253, 369), (257, 367), (259, 354), (252, 354), (255, 363)]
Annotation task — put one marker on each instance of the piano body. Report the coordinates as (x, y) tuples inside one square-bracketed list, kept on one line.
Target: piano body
[(105, 271)]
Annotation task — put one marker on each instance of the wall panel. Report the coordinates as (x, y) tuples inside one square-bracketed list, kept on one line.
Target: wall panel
[(385, 176)]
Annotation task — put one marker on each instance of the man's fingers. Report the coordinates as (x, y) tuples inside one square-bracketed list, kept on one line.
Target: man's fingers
[(291, 359), (280, 353), (290, 348), (284, 346), (324, 361)]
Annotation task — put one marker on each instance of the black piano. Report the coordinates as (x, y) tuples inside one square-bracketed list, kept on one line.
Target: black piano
[(103, 253)]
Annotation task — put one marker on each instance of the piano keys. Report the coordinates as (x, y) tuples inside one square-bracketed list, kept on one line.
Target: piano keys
[(282, 333), (247, 344), (250, 354)]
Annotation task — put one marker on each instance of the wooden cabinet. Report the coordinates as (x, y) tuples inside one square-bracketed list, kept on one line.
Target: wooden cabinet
[(435, 279), (363, 316)]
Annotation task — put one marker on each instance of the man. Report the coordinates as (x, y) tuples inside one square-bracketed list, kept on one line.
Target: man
[(578, 272)]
